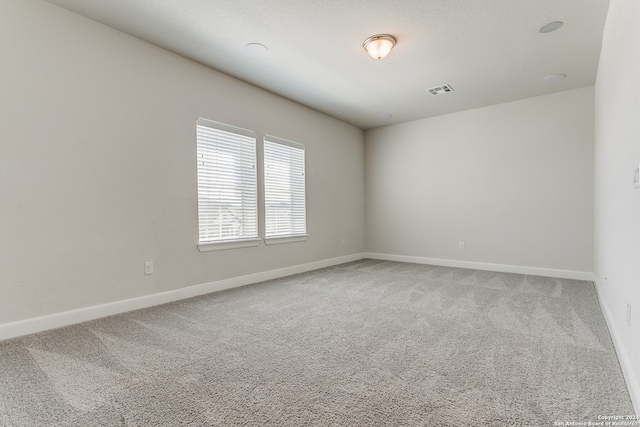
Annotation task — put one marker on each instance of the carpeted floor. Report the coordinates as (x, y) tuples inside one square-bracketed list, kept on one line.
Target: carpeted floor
[(368, 343)]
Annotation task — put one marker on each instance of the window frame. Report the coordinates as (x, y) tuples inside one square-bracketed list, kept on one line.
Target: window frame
[(291, 237), (236, 241)]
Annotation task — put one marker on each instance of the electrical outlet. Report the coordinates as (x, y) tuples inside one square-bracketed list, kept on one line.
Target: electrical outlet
[(461, 246), (148, 267), (636, 177), (343, 242), (628, 314)]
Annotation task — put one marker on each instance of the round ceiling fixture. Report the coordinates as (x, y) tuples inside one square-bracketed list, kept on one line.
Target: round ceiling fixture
[(551, 26), (554, 78), (379, 46), (256, 49)]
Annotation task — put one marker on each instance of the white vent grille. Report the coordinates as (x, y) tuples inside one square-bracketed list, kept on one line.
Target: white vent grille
[(440, 89)]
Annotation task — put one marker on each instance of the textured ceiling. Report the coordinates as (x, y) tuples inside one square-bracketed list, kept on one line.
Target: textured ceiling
[(489, 51)]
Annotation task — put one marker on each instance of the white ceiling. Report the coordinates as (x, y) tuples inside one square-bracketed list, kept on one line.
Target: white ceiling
[(489, 51)]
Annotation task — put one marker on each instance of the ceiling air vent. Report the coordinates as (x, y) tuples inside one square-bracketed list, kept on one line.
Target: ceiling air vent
[(440, 89)]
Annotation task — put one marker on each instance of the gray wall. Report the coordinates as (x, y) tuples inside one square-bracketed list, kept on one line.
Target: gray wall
[(617, 203), (513, 181), (98, 173)]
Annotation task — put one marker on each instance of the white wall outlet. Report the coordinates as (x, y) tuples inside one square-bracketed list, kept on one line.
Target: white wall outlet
[(461, 246), (343, 242), (628, 314), (148, 267), (636, 177)]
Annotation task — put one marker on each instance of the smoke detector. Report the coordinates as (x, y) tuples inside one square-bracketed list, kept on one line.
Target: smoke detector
[(440, 89)]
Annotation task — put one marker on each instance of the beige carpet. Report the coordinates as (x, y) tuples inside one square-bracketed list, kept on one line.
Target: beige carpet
[(370, 343)]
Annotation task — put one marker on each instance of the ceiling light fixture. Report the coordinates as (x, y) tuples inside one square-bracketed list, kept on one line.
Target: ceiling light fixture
[(379, 46)]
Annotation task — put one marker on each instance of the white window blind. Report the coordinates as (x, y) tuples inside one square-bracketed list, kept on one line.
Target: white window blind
[(284, 188), (227, 184)]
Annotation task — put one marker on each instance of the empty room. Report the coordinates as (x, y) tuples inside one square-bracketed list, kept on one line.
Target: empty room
[(364, 213)]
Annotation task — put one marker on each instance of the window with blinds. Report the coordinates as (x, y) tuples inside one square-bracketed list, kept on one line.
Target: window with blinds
[(284, 188), (227, 184)]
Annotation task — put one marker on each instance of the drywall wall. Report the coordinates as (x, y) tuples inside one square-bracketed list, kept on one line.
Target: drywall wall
[(98, 173), (617, 203), (513, 181)]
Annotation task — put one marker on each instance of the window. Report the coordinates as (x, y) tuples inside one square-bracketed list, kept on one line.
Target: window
[(227, 186), (284, 191)]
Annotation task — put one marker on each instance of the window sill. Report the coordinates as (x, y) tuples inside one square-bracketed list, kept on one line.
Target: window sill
[(285, 239), (230, 244)]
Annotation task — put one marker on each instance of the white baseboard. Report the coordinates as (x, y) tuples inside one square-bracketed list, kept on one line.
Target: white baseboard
[(627, 369), (66, 318), (234, 282), (502, 268)]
